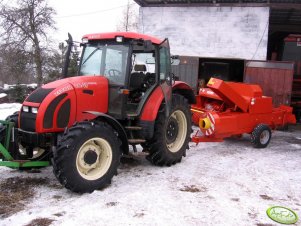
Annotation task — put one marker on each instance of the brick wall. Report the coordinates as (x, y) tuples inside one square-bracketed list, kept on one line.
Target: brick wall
[(230, 32)]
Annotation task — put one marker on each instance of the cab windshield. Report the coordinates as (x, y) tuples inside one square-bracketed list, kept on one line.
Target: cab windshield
[(105, 59)]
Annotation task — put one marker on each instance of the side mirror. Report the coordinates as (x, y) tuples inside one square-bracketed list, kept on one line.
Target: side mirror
[(175, 60)]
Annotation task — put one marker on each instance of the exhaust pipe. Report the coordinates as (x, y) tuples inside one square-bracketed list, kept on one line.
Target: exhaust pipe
[(67, 56)]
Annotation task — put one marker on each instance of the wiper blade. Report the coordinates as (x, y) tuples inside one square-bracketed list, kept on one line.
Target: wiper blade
[(91, 54)]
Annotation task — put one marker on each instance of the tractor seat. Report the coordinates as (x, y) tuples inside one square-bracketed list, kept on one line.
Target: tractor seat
[(137, 77)]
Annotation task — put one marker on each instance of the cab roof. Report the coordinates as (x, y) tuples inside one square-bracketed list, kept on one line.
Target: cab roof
[(127, 35)]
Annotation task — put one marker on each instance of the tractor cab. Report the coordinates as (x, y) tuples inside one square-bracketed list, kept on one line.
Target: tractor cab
[(134, 65)]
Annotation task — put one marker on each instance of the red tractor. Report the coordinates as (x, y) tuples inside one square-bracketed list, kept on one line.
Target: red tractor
[(124, 94)]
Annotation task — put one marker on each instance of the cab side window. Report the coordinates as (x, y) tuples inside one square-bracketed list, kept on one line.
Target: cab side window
[(164, 64)]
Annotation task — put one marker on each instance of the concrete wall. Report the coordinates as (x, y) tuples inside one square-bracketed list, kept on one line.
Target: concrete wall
[(230, 32)]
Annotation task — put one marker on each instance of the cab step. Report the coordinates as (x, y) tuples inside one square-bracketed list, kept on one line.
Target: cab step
[(133, 127), (136, 141), (132, 115)]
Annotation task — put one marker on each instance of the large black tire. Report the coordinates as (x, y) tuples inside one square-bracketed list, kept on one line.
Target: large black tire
[(13, 118), (87, 157), (261, 136), (171, 135)]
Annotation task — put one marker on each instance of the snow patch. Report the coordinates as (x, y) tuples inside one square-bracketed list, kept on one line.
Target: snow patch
[(8, 87), (3, 95), (8, 109), (228, 183), (297, 146)]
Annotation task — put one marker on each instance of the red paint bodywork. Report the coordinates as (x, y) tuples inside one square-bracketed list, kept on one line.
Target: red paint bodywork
[(237, 108), (151, 107), (128, 35), (74, 88), (181, 85)]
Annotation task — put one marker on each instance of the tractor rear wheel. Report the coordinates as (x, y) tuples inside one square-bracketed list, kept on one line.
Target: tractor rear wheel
[(261, 136), (171, 135), (87, 157)]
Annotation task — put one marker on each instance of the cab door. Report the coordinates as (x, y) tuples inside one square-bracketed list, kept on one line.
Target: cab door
[(165, 75), (115, 67)]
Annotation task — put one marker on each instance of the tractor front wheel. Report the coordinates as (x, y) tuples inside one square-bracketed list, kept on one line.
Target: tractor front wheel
[(13, 118), (87, 157), (172, 134), (261, 136), (19, 152)]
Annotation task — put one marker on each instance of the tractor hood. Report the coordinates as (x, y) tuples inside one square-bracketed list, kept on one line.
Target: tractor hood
[(59, 104)]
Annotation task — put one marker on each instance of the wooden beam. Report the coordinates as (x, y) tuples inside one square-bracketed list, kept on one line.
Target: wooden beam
[(284, 28), (141, 3)]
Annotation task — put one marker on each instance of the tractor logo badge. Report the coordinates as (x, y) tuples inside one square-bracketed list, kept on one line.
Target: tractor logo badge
[(63, 90), (282, 215)]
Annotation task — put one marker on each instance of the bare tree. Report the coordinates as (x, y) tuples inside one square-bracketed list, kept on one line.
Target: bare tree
[(15, 66), (25, 26), (129, 20)]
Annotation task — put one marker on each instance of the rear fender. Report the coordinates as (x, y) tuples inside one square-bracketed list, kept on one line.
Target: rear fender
[(185, 90), (116, 126), (152, 105)]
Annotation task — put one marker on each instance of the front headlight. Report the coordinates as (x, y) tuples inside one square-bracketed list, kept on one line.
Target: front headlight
[(25, 108), (34, 110)]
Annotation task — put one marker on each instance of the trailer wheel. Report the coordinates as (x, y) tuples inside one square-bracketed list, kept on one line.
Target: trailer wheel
[(261, 136), (87, 157), (171, 135)]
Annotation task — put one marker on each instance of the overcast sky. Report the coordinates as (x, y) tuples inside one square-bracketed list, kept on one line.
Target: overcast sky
[(90, 16)]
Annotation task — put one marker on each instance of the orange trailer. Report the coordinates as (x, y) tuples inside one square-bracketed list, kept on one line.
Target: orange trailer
[(226, 109)]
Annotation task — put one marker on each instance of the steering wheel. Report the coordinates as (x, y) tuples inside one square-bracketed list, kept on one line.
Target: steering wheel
[(114, 72)]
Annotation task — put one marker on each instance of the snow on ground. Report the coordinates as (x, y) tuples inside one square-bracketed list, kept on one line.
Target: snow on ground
[(227, 183), (3, 95), (8, 109)]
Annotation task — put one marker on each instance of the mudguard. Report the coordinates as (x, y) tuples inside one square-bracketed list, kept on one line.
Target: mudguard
[(116, 126), (153, 103)]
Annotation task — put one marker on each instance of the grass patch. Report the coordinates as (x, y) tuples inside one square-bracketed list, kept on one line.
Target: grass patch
[(266, 197), (40, 222), (193, 189)]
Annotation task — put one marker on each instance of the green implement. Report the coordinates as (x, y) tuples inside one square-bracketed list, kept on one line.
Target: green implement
[(6, 137)]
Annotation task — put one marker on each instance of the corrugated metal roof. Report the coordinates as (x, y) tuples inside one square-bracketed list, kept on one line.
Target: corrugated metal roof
[(215, 2), (285, 16)]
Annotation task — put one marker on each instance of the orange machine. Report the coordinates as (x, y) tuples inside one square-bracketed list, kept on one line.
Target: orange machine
[(226, 109)]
